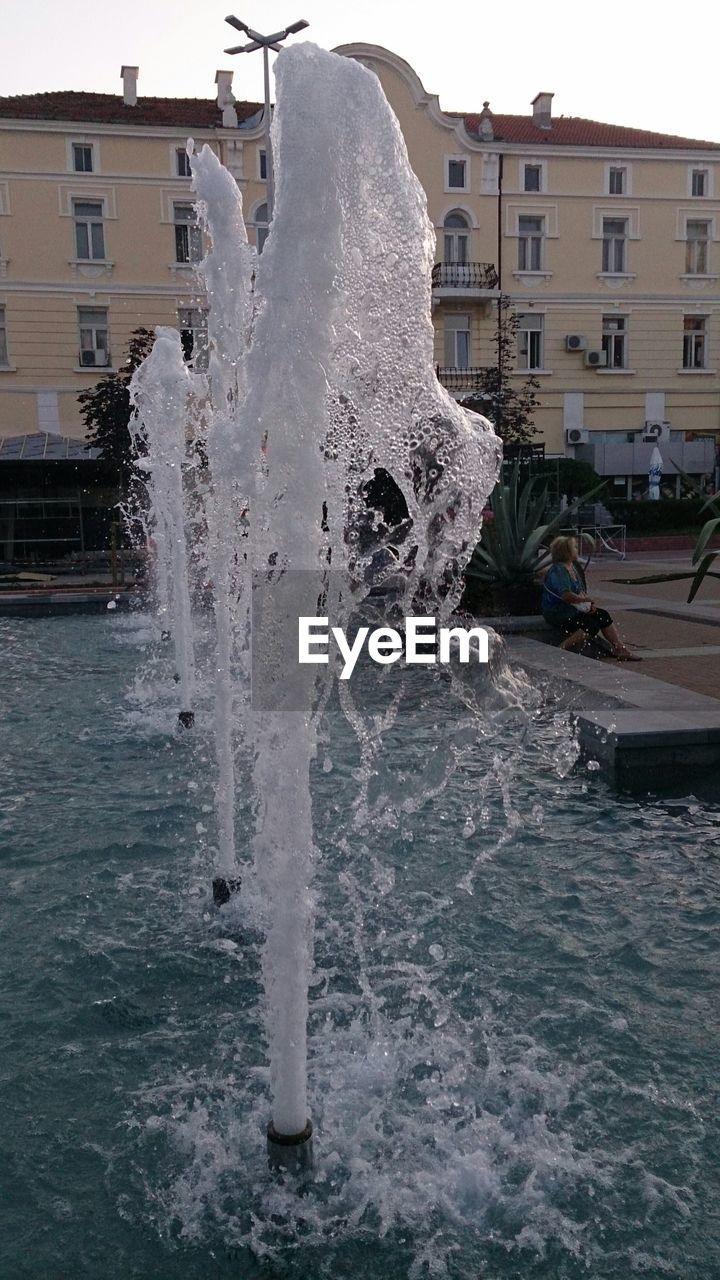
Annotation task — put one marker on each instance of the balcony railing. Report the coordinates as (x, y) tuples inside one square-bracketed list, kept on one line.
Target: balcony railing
[(464, 275), (459, 379)]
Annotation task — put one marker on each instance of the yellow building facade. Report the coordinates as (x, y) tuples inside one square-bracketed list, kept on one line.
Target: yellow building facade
[(98, 236), (605, 239), (607, 242)]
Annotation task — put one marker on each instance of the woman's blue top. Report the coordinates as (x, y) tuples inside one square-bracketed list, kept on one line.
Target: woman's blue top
[(557, 580)]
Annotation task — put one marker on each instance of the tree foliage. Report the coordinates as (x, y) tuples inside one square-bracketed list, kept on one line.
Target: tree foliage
[(106, 411), (510, 405)]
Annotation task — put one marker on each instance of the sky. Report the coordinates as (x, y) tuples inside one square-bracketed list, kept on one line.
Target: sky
[(636, 64)]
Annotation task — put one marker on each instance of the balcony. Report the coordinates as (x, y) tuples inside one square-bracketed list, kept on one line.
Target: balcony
[(464, 381), (455, 280)]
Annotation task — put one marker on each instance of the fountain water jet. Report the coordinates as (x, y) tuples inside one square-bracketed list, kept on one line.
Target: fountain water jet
[(228, 271), (321, 382), (160, 393)]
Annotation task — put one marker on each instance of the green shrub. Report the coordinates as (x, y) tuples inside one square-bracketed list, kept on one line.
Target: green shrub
[(573, 477), (668, 515), (702, 559)]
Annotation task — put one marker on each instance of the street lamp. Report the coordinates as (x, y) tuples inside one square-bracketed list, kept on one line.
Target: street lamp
[(265, 43)]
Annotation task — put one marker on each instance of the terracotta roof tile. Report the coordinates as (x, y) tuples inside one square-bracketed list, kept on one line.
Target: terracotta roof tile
[(572, 131), (108, 108)]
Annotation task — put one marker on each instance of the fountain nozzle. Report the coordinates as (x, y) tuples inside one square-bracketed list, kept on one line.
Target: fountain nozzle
[(223, 889), (291, 1152), (186, 719)]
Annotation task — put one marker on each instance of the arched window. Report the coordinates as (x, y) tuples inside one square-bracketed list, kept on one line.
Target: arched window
[(457, 237), (261, 226)]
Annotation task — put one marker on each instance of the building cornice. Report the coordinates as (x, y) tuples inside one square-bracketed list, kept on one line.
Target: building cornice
[(104, 179), (87, 128), (613, 302), (92, 289), (605, 153), (456, 123)]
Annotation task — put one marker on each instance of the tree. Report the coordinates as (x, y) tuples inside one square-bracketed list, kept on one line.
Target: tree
[(510, 407), (106, 411)]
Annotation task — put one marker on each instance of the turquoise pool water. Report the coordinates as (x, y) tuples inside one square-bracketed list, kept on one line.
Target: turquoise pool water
[(514, 1043)]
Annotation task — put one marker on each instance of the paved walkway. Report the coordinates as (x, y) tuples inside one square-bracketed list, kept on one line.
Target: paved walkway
[(679, 642)]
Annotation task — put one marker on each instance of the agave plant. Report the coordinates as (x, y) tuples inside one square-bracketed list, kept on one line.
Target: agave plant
[(513, 547), (702, 558)]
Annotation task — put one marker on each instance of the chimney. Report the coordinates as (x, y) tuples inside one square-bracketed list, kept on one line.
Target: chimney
[(226, 99), (129, 79), (542, 110)]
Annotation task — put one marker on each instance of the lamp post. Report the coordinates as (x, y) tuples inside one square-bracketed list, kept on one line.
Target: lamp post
[(265, 43)]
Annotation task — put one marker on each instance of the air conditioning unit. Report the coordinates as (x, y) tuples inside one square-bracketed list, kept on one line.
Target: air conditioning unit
[(575, 342), (595, 359), (655, 431), (576, 435), (94, 358)]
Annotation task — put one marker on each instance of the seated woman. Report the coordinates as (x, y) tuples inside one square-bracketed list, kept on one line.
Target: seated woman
[(567, 606)]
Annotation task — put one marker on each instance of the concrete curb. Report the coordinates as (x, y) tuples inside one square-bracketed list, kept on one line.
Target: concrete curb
[(641, 730), (63, 601)]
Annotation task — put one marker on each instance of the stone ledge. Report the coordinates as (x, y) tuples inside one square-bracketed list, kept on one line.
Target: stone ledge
[(625, 727), (640, 729), (508, 624)]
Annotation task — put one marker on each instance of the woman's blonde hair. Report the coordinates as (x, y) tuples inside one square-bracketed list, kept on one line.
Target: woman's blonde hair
[(560, 549)]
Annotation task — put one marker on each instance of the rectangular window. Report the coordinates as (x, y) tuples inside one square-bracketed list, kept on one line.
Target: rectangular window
[(188, 236), (530, 243), (694, 340), (89, 234), (616, 182), (614, 341), (614, 256), (94, 336), (456, 174), (457, 342), (530, 341), (456, 247), (263, 167), (82, 158), (3, 339), (456, 238), (532, 177), (193, 326), (697, 237), (699, 182), (182, 163)]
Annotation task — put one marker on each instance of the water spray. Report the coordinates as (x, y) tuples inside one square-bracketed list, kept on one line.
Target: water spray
[(321, 378)]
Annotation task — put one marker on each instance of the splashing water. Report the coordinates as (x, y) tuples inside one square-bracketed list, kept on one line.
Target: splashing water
[(321, 388), (228, 272), (160, 392), (516, 1080)]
